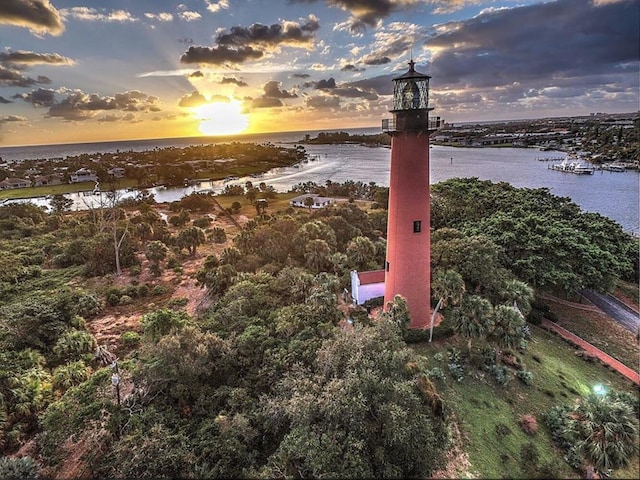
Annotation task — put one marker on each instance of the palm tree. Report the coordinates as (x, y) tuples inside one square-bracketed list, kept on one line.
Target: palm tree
[(605, 431), (360, 252), (473, 318), (317, 254), (449, 287), (520, 294), (508, 323)]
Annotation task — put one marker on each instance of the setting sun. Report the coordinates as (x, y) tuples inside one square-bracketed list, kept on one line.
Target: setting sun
[(221, 118)]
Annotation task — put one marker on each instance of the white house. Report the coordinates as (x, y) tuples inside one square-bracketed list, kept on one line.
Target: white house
[(83, 175), (367, 285), (116, 172), (318, 201), (11, 183)]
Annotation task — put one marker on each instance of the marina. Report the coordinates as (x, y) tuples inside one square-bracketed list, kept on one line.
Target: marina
[(575, 166)]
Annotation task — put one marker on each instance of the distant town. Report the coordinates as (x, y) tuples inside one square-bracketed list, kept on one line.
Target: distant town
[(602, 139)]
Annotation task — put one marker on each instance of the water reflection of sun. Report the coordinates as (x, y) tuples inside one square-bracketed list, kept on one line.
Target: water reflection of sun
[(221, 118)]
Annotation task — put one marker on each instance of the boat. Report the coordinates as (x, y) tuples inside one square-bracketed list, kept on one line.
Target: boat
[(614, 167), (576, 167)]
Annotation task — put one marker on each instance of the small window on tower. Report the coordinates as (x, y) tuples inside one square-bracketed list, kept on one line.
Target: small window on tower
[(417, 226), (387, 266)]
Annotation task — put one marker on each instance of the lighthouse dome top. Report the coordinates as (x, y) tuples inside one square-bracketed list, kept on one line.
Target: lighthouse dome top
[(411, 73), (411, 91)]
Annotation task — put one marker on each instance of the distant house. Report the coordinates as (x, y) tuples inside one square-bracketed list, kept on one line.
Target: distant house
[(318, 201), (367, 285), (116, 172), (11, 183), (83, 175), (52, 179)]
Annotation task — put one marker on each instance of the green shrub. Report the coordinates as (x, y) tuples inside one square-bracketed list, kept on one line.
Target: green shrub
[(159, 290), (135, 270), (173, 262), (125, 300), (525, 376), (143, 290), (14, 468), (161, 322), (202, 222), (88, 304), (130, 339), (73, 344), (218, 235)]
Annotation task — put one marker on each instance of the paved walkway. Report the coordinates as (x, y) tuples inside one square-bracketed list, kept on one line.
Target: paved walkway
[(596, 352)]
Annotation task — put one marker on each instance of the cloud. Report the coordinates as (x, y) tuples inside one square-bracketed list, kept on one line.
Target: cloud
[(39, 16), (393, 41), (22, 58), (4, 100), (322, 102), (97, 15), (38, 98), (79, 106), (196, 74), (293, 34), (300, 75), (351, 68), (240, 44), (187, 15), (217, 6), (193, 99), (186, 40), (325, 84), (272, 96), (219, 55), (537, 44), (567, 54), (366, 13), (272, 89), (232, 80), (10, 77), (12, 118), (161, 17)]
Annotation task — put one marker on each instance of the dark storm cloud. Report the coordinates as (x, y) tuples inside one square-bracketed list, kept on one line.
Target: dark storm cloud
[(4, 100), (300, 75), (258, 35), (374, 59), (38, 16), (196, 74), (219, 55), (354, 92), (79, 106), (537, 44), (232, 80), (38, 98)]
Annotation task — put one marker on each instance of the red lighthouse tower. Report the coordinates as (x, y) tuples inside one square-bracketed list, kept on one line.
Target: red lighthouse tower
[(408, 259)]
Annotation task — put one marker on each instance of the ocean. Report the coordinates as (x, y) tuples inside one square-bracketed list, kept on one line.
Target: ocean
[(612, 194)]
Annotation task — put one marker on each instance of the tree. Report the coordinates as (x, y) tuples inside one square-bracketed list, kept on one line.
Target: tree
[(317, 255), (472, 319), (261, 206), (448, 286), (519, 294), (356, 413), (190, 238), (508, 323), (59, 203), (162, 322), (235, 207), (155, 252), (361, 253), (308, 202)]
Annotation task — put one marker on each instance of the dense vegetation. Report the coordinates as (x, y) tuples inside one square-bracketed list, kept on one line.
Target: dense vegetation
[(265, 381)]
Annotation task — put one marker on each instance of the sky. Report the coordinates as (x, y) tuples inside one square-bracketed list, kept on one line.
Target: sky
[(101, 70)]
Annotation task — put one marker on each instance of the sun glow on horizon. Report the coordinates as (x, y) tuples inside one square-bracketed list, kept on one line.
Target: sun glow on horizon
[(221, 118)]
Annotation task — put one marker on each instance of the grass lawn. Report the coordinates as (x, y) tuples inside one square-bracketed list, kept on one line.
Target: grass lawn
[(280, 202), (488, 413), (45, 190), (599, 330)]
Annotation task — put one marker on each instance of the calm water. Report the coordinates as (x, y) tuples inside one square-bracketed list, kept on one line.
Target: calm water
[(613, 194)]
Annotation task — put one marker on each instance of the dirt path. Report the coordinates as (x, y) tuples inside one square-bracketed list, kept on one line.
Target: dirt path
[(596, 352)]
